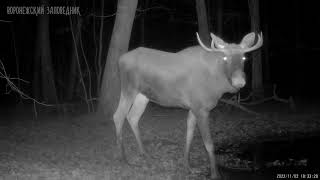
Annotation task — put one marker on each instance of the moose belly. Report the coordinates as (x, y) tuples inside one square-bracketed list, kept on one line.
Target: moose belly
[(165, 96)]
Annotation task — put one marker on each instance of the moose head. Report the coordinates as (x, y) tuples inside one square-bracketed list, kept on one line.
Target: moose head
[(234, 55)]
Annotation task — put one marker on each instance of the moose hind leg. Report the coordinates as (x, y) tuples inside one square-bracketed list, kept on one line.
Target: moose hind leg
[(203, 124), (118, 118), (134, 116)]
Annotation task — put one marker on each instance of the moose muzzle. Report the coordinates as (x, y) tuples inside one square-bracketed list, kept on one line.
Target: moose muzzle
[(238, 79)]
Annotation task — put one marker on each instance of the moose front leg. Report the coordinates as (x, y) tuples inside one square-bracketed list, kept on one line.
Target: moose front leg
[(191, 124), (203, 124)]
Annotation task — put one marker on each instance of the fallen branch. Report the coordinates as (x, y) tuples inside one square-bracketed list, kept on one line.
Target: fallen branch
[(273, 97), (236, 104), (237, 101)]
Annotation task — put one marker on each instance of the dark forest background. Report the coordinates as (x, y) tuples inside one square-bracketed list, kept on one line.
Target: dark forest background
[(290, 53)]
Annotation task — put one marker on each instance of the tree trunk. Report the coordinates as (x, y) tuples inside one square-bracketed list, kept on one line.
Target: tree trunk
[(210, 10), (203, 22), (110, 88), (266, 53), (44, 62), (219, 18), (100, 49), (298, 47), (257, 79), (36, 73), (144, 5)]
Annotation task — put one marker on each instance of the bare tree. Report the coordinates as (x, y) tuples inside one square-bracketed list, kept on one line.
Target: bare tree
[(43, 84), (257, 79), (110, 88), (203, 21), (72, 77)]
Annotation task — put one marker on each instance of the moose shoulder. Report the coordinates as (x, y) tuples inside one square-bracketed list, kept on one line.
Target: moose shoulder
[(194, 78)]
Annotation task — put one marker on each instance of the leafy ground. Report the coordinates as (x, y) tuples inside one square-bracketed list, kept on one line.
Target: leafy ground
[(82, 146)]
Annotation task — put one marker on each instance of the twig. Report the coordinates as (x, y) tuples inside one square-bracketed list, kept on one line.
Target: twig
[(78, 63), (138, 10), (13, 87), (89, 73), (5, 21), (106, 16), (151, 8), (246, 98)]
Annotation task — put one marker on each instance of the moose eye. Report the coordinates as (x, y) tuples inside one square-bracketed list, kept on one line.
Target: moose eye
[(225, 58), (243, 58)]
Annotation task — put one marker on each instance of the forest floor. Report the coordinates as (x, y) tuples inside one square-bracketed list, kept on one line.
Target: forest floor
[(79, 146)]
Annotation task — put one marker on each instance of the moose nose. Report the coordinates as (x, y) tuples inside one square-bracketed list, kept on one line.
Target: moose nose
[(238, 80)]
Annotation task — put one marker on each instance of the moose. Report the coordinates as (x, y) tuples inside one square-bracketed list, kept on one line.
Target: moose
[(194, 79)]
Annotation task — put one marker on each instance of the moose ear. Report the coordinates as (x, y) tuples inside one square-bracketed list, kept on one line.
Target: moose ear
[(218, 41), (248, 40)]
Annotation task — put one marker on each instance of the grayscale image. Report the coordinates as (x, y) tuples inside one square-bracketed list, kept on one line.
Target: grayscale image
[(159, 90)]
